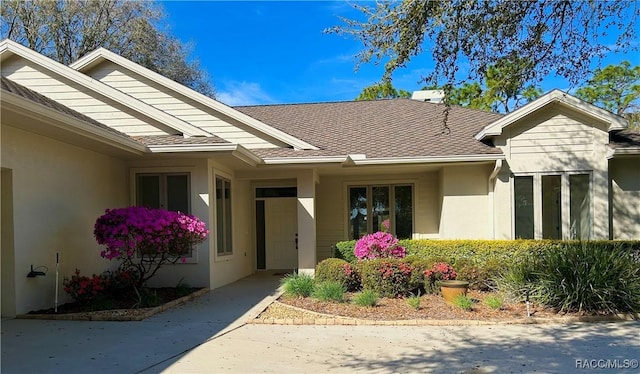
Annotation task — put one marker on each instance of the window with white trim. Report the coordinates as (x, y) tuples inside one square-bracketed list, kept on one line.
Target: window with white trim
[(552, 206), (380, 208), (224, 236)]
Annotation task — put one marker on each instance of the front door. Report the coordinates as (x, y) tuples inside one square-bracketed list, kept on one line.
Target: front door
[(280, 231)]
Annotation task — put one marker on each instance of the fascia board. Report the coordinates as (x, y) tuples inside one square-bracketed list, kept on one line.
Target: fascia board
[(495, 128), (236, 150), (304, 160), (101, 53), (70, 123), (427, 160), (102, 89), (627, 151)]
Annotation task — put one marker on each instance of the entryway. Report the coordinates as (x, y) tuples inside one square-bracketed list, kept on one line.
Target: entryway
[(276, 228)]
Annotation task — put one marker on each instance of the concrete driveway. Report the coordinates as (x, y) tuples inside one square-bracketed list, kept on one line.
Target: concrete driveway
[(208, 335)]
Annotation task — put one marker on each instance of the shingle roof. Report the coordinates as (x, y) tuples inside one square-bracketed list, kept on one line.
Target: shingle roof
[(15, 88), (624, 139), (379, 128), (178, 139)]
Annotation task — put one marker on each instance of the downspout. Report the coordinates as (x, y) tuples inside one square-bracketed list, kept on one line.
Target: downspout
[(492, 207)]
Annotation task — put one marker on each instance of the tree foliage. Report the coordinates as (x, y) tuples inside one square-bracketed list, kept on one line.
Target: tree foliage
[(66, 30), (544, 36), (615, 88), (383, 90)]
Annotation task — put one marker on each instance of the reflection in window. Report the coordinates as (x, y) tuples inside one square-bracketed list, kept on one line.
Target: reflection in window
[(390, 208), (580, 206), (223, 217)]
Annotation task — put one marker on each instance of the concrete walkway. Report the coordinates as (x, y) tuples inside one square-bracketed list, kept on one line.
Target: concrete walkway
[(208, 335)]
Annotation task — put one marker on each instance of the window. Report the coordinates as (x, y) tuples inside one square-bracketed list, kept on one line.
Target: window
[(389, 206), (561, 210), (168, 191), (223, 217)]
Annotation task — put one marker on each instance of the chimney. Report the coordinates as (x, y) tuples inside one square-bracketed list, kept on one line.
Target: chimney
[(433, 96)]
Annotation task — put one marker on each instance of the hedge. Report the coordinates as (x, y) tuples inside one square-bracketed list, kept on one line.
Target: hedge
[(481, 261)]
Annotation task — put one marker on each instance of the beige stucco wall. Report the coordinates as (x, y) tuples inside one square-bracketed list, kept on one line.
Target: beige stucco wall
[(625, 189), (58, 192), (554, 139), (465, 202)]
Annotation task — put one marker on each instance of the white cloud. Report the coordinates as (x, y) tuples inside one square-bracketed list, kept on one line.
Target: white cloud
[(243, 93)]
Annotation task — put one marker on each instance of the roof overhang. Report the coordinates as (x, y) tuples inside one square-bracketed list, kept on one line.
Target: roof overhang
[(62, 126), (9, 47), (360, 160), (556, 96), (96, 57), (236, 150), (622, 152)]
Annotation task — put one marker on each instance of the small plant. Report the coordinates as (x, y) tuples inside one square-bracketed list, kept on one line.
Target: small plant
[(414, 301), (84, 289), (183, 288), (493, 302), (147, 298), (387, 277), (463, 302), (366, 298), (297, 285), (335, 269), (329, 291), (378, 245), (439, 271)]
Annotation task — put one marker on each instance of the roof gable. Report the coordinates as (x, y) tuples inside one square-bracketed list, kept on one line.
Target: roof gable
[(101, 55), (555, 96), (9, 48)]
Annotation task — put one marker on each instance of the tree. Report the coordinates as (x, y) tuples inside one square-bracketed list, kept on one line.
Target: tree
[(66, 30), (562, 37), (615, 88), (384, 90)]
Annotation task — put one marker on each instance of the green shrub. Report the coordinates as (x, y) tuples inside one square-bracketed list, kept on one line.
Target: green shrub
[(345, 251), (590, 277), (297, 285), (366, 298), (387, 277), (463, 302), (338, 270), (414, 301), (329, 291), (519, 279), (418, 267), (493, 302)]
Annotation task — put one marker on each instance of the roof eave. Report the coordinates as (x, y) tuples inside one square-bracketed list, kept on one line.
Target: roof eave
[(100, 54)]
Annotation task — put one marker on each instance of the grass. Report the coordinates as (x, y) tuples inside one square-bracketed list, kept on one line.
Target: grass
[(414, 301), (366, 298), (298, 285), (329, 291), (463, 302), (494, 301)]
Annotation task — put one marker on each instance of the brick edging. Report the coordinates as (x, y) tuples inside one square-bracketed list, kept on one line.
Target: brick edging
[(106, 317)]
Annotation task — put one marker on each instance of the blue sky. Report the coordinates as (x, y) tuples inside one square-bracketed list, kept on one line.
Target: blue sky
[(269, 52)]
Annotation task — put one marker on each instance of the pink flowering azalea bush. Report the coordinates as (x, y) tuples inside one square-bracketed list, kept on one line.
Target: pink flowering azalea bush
[(378, 245), (438, 272), (146, 238)]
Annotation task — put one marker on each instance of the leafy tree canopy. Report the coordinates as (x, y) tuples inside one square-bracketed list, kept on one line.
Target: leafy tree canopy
[(615, 88), (66, 30), (542, 37), (383, 90)]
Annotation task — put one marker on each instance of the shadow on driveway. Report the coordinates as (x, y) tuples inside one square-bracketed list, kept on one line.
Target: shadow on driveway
[(30, 346)]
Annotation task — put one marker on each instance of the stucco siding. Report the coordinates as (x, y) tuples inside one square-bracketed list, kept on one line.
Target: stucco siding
[(465, 202), (181, 107), (79, 98), (58, 192), (332, 209), (625, 189)]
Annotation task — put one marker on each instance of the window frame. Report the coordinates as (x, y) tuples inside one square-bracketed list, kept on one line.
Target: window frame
[(189, 172), (565, 194), (392, 205), (228, 253)]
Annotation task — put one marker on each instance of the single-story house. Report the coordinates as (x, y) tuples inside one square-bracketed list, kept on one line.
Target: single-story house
[(278, 185)]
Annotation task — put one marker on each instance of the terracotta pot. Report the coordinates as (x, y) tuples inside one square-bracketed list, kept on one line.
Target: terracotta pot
[(450, 289)]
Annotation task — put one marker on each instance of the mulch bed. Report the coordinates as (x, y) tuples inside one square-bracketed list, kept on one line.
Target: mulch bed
[(432, 307)]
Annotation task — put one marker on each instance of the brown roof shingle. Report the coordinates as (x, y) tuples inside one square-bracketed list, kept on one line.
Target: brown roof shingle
[(379, 128), (624, 138)]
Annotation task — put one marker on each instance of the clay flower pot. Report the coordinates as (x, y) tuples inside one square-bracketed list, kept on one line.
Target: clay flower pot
[(450, 289)]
